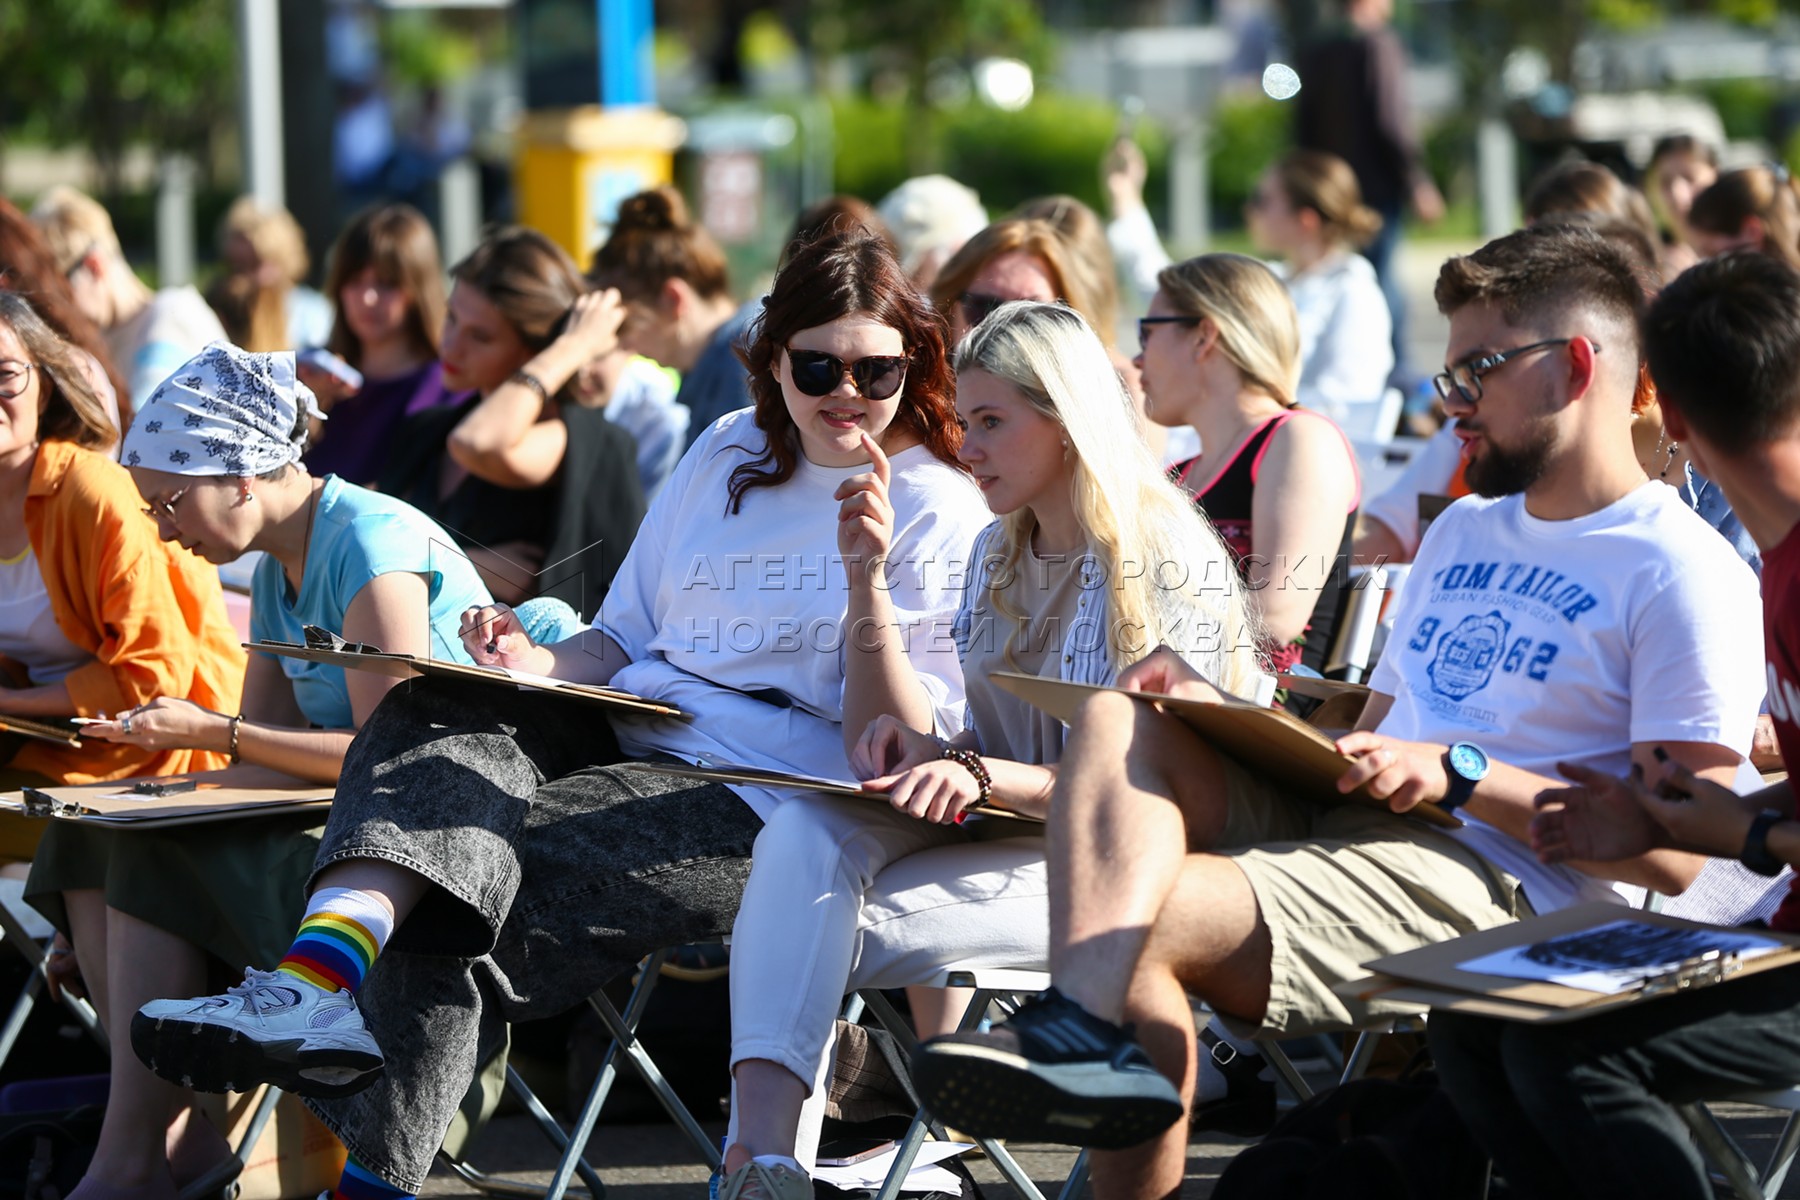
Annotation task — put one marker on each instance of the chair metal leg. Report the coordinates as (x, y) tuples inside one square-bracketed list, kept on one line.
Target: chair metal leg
[(1286, 1070), (1782, 1158), (997, 1154), (1739, 1171), (221, 1176), (1361, 1055)]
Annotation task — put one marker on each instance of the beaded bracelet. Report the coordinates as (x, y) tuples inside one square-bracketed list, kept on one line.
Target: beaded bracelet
[(984, 783), (526, 378), (236, 723)]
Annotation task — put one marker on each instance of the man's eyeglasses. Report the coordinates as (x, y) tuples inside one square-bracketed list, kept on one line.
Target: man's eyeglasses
[(14, 375), (1146, 324), (1464, 378), (816, 374), (165, 510)]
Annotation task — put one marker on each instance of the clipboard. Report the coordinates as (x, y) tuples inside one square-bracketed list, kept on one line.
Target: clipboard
[(1315, 688), (236, 792), (1269, 741), (795, 782), (1434, 977), (62, 735), (356, 656)]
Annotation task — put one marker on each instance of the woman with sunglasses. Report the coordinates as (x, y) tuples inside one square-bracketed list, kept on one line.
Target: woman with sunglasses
[(1220, 351), (1050, 591), (96, 614), (216, 453), (1029, 257), (784, 589)]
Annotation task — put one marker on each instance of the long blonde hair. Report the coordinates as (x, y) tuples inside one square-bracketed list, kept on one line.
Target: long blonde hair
[(1169, 578), (1259, 331)]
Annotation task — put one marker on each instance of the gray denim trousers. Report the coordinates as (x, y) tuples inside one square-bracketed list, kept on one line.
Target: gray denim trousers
[(553, 872)]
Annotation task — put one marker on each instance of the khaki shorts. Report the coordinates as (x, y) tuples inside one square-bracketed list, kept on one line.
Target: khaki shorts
[(1341, 886)]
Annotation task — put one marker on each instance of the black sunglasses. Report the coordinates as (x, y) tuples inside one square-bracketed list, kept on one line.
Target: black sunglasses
[(1146, 324), (978, 306), (817, 374)]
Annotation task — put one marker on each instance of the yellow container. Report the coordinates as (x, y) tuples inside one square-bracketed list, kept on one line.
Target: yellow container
[(575, 165)]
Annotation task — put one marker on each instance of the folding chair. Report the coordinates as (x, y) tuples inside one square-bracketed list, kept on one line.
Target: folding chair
[(1352, 644), (14, 933), (573, 1144), (991, 986)]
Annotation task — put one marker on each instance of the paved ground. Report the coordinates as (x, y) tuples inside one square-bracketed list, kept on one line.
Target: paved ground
[(653, 1162)]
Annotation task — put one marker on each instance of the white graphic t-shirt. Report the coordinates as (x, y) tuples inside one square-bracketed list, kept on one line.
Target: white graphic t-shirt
[(1568, 641)]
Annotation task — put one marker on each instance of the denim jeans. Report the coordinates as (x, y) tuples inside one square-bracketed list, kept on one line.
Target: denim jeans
[(553, 874), (1585, 1108)]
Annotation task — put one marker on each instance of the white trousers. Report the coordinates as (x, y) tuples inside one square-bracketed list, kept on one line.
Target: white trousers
[(824, 914)]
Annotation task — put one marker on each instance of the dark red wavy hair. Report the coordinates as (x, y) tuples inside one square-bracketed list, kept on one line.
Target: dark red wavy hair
[(847, 272)]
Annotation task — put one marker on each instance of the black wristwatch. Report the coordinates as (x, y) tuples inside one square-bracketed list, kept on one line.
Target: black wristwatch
[(1756, 854), (1467, 765)]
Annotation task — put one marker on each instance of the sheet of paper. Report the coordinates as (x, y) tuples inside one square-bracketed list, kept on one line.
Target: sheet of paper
[(925, 1176), (1617, 956)]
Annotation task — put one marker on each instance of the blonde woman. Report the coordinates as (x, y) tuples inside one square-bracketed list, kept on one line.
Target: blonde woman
[(1308, 211), (1220, 351), (1094, 560)]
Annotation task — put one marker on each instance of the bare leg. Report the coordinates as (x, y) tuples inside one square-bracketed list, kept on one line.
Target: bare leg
[(143, 963), (395, 886), (937, 1011), (769, 1099), (1121, 824), (87, 933), (1209, 941)]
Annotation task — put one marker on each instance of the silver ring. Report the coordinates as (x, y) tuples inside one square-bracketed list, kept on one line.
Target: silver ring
[(125, 722)]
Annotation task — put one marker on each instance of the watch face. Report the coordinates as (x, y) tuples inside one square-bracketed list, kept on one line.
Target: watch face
[(1469, 760)]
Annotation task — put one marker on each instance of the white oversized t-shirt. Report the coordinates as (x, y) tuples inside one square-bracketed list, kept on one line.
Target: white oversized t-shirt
[(721, 613), (1547, 641)]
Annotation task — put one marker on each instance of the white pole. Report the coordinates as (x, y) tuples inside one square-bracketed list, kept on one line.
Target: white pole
[(1497, 175), (259, 101), (459, 208), (175, 222)]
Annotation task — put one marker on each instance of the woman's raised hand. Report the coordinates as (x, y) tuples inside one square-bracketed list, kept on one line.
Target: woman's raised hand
[(166, 723), (494, 637), (594, 322), (865, 515)]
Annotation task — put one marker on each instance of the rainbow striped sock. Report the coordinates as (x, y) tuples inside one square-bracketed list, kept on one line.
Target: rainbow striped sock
[(358, 1183), (339, 939)]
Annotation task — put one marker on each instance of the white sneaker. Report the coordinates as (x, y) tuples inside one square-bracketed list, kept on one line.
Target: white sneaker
[(272, 1028), (766, 1181)]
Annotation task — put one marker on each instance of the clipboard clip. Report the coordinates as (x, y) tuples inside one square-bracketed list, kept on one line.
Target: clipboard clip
[(43, 804), (1703, 970), (320, 638)]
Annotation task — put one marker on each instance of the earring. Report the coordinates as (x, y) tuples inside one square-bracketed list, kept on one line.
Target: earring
[(245, 495)]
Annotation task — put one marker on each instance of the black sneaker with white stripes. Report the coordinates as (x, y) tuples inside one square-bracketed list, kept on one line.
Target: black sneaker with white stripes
[(1053, 1073)]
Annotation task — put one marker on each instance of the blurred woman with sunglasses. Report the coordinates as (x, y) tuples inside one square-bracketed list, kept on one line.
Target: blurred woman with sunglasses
[(1220, 351), (1031, 258), (795, 580), (96, 613)]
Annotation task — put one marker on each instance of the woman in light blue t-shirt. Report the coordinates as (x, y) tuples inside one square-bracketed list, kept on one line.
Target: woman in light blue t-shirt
[(216, 453)]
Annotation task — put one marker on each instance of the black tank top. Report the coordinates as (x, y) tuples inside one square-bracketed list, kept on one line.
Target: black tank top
[(1229, 502)]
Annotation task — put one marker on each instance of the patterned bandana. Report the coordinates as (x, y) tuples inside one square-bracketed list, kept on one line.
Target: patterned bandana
[(224, 412)]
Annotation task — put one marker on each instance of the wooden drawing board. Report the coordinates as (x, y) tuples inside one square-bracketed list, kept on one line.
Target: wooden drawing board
[(1268, 741), (236, 792), (1433, 977), (803, 783), (405, 666)]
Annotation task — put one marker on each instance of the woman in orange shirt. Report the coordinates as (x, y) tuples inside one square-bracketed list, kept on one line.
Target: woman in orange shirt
[(97, 614)]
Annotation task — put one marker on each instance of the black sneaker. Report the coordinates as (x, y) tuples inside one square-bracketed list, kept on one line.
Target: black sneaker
[(1247, 1107), (1053, 1073)]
